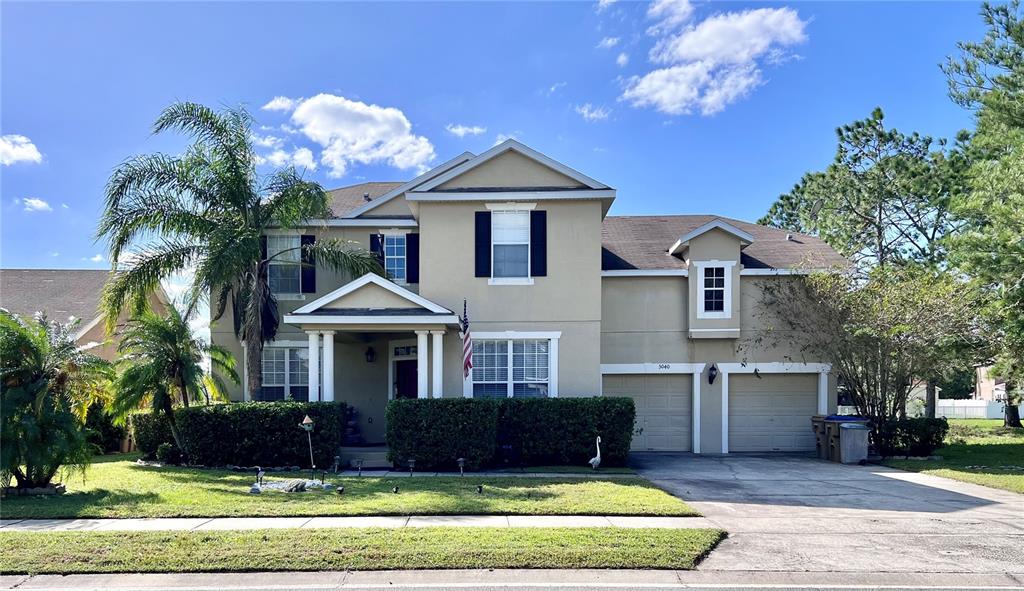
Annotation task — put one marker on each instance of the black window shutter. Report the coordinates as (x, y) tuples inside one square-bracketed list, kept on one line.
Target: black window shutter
[(483, 244), (412, 258), (263, 248), (377, 248), (308, 265), (538, 243)]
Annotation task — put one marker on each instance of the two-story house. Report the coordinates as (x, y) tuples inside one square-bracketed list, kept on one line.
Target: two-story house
[(563, 300)]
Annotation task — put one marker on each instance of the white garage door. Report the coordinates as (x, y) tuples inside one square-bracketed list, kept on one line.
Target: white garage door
[(662, 409), (772, 413)]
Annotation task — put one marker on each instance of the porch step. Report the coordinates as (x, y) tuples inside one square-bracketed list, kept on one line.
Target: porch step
[(374, 458)]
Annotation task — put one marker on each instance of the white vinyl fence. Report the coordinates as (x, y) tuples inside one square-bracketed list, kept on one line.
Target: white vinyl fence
[(969, 409)]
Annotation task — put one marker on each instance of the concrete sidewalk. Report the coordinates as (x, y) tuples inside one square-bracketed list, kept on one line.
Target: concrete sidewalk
[(520, 580), (249, 523)]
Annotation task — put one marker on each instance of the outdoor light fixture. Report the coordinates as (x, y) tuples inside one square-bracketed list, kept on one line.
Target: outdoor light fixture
[(462, 466), (307, 426), (712, 373), (371, 355), (359, 465), (412, 464), (757, 374)]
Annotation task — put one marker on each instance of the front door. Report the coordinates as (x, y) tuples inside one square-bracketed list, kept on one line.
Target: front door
[(405, 378)]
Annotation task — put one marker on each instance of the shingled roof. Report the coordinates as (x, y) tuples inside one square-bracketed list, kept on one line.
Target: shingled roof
[(346, 199), (60, 293), (642, 242)]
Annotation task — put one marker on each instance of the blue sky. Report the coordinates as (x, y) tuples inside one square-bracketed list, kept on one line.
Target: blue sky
[(702, 108)]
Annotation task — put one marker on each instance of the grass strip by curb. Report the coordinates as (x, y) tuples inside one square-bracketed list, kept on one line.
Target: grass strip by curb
[(353, 549), (122, 489)]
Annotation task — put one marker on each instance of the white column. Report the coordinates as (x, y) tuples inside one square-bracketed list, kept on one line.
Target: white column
[(328, 366), (695, 411), (421, 363), (725, 412), (314, 366), (437, 361), (553, 368), (823, 393)]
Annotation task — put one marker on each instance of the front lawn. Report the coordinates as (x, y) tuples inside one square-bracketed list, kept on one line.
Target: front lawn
[(121, 488), (979, 451), (353, 549)]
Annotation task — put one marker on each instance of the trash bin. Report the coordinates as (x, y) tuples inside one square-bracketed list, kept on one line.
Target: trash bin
[(853, 443)]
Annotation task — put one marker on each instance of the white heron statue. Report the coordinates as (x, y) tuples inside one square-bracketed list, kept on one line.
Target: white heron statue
[(596, 460)]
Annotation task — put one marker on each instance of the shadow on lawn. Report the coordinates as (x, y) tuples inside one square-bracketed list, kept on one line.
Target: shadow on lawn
[(73, 504)]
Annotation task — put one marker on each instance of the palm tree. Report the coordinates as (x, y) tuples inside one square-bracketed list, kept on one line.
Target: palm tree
[(161, 367), (207, 209), (47, 384)]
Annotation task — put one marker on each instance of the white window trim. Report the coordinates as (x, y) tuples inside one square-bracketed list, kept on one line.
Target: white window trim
[(513, 207), (726, 312), (511, 335), (288, 346), (384, 251), (287, 296)]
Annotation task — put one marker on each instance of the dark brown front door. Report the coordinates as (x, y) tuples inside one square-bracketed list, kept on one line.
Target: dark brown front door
[(405, 378)]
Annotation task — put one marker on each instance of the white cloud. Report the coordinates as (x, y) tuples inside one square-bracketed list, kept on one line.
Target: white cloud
[(267, 141), (603, 5), (669, 14), (554, 88), (96, 258), (608, 43), (281, 103), (591, 113), (622, 60), (711, 64), (65, 206), (299, 158), (464, 130), (55, 254), (33, 204), (355, 132), (502, 137), (18, 148)]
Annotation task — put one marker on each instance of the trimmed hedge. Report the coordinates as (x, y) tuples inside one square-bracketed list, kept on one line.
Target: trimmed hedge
[(149, 430), (437, 432), (512, 432), (101, 431), (911, 437), (261, 433), (550, 431)]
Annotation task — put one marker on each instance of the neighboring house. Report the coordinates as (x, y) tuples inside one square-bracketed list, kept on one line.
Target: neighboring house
[(563, 300), (63, 294), (987, 387)]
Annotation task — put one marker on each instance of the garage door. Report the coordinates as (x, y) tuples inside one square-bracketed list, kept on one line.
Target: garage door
[(772, 413), (662, 409)]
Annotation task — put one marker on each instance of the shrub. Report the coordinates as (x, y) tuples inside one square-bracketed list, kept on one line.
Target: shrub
[(149, 430), (436, 432), (519, 432), (261, 434), (168, 453), (539, 431), (911, 437), (101, 431)]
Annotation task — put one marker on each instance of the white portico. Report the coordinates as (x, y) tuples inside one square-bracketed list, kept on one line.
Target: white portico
[(372, 309)]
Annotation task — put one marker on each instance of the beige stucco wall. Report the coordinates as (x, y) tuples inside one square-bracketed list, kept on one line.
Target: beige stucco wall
[(510, 169), (396, 207), (371, 296), (568, 299), (715, 245)]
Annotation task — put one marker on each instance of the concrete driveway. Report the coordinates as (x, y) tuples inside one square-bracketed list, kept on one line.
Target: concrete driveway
[(786, 513)]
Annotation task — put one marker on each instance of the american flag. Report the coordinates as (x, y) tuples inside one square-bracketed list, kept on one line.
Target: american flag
[(467, 343)]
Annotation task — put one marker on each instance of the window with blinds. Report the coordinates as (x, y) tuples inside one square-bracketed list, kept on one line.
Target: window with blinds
[(510, 243)]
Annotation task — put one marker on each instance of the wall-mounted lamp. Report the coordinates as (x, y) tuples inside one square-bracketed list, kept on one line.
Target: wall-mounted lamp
[(371, 355), (712, 373), (757, 374)]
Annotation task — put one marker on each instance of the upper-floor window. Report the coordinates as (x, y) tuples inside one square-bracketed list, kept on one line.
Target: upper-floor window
[(394, 257), (715, 290), (285, 269), (510, 244)]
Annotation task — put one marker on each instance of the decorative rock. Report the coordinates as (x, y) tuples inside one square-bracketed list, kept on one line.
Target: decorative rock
[(255, 489), (295, 485), (327, 486)]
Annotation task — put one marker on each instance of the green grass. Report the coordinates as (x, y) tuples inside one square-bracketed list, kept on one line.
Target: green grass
[(121, 488), (980, 451), (353, 549)]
